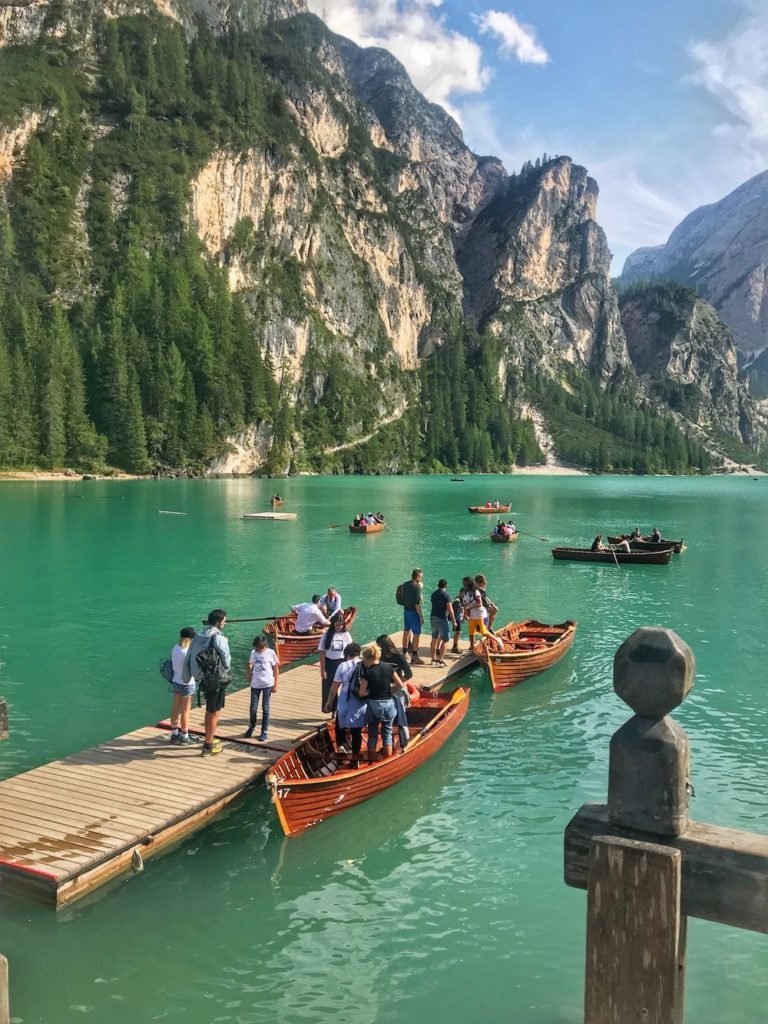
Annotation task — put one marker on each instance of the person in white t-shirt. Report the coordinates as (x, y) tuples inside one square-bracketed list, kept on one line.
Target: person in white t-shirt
[(264, 670), (182, 692), (477, 616), (331, 647), (309, 615)]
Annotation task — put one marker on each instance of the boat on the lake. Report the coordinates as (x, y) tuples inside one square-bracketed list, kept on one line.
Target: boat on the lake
[(367, 527), (457, 479), (504, 538), (290, 645), (270, 515), (277, 501), (313, 781), (530, 647), (646, 544), (485, 510), (663, 557)]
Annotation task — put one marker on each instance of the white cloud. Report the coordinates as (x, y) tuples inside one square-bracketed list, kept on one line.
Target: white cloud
[(734, 70), (515, 39), (444, 64)]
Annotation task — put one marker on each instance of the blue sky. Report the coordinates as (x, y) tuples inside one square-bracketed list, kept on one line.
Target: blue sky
[(665, 101)]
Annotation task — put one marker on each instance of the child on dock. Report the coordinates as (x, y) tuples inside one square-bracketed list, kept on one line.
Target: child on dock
[(264, 671), (182, 692)]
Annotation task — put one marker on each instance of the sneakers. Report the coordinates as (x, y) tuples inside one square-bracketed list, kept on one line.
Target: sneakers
[(176, 737), (248, 733), (440, 664), (416, 660), (214, 748), (262, 737), (185, 741)]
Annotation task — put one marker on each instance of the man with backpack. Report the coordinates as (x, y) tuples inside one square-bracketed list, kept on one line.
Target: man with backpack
[(408, 595), (209, 661)]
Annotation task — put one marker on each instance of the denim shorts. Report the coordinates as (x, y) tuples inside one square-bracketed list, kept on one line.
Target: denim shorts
[(439, 626), (412, 623), (183, 689)]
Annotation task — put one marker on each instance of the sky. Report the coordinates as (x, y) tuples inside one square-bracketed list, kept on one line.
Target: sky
[(664, 101)]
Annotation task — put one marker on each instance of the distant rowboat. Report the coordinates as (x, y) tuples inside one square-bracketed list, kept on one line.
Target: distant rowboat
[(646, 544), (366, 527), (530, 647), (313, 781), (499, 538), (484, 510), (663, 557)]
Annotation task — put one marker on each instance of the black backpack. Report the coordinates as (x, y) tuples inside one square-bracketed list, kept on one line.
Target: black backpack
[(166, 669), (213, 674), (399, 596)]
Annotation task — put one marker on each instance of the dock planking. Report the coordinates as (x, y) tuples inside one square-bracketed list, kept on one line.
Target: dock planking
[(72, 825)]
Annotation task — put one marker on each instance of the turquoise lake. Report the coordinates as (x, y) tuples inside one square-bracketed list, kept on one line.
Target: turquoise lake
[(443, 898)]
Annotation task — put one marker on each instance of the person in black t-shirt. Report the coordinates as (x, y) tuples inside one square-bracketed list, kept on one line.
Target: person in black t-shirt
[(377, 682), (440, 616), (413, 618), (391, 655)]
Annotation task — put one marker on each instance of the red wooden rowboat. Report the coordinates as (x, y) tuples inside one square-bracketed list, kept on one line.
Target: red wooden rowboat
[(290, 645), (312, 782), (367, 528), (501, 539), (483, 510), (530, 647)]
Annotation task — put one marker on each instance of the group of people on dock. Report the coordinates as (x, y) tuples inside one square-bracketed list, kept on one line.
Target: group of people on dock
[(503, 529), (368, 519), (364, 687)]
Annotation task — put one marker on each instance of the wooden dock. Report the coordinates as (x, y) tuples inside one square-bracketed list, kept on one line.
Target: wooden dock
[(72, 825)]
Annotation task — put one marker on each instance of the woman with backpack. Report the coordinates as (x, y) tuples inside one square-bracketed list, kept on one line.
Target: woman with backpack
[(332, 645), (351, 709)]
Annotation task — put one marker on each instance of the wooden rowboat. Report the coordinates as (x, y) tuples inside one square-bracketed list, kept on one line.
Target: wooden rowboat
[(530, 647), (290, 645), (663, 557), (367, 528), (646, 544), (509, 539), (313, 782), (482, 510), (277, 502)]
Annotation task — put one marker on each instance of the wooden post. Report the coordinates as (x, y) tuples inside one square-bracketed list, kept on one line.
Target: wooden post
[(635, 934), (4, 731), (5, 1008)]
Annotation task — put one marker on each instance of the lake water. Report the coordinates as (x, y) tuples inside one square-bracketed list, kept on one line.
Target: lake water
[(443, 898)]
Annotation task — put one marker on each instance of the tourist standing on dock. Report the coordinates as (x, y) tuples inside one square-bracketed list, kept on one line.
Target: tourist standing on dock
[(440, 615), (264, 670), (213, 637), (413, 618), (377, 683), (331, 647), (476, 614), (351, 709), (309, 615), (182, 692), (459, 611)]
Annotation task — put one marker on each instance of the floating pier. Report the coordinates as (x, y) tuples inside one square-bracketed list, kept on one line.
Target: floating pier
[(70, 826)]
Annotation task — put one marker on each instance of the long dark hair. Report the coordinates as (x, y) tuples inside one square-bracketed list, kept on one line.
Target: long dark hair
[(386, 645), (338, 617)]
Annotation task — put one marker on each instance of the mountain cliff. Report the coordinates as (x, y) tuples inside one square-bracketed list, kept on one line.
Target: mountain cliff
[(722, 250), (233, 239)]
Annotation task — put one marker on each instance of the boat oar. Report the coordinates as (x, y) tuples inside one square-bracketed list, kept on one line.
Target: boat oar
[(613, 552), (260, 618), (526, 534)]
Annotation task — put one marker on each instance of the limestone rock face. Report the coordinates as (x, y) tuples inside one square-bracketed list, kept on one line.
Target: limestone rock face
[(722, 250), (678, 344), (535, 257)]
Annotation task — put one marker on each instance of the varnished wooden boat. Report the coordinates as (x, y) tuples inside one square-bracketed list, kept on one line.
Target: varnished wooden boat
[(646, 544), (277, 502), (367, 528), (290, 645), (530, 647), (663, 557), (482, 510), (509, 539), (312, 782)]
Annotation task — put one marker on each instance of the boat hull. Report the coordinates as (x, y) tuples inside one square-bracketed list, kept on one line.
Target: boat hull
[(504, 540), (650, 545), (368, 528), (291, 647), (481, 510), (540, 647), (663, 557), (303, 802)]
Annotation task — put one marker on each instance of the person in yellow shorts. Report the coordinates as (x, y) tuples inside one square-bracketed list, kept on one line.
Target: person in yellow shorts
[(476, 616)]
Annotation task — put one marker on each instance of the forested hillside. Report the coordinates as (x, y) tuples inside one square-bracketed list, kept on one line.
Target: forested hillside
[(212, 253)]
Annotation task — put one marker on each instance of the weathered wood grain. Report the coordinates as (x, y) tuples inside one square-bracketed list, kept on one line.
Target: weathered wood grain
[(634, 968), (724, 872)]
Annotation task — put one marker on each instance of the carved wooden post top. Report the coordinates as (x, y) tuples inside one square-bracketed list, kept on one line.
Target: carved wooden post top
[(653, 672)]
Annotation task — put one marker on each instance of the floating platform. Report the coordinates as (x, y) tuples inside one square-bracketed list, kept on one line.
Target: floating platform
[(270, 515), (70, 826)]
